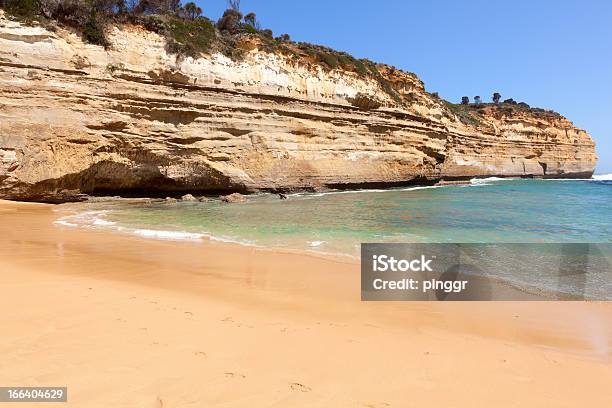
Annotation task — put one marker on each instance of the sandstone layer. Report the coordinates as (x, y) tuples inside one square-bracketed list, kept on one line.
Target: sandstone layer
[(78, 119)]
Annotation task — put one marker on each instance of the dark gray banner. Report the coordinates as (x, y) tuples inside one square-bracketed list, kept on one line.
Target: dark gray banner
[(33, 394), (462, 272)]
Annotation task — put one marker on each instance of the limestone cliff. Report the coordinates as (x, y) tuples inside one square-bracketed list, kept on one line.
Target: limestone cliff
[(78, 118)]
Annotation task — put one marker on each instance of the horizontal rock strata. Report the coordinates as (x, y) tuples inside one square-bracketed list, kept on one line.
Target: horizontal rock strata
[(78, 119)]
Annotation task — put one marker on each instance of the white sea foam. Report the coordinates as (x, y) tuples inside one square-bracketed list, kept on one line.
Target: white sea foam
[(95, 220), (389, 190), (228, 240), (168, 235), (315, 244), (86, 219), (419, 188), (488, 180), (596, 177), (65, 223), (183, 236), (102, 223)]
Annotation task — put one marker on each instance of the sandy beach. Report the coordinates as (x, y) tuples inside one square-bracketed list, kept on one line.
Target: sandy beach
[(125, 321)]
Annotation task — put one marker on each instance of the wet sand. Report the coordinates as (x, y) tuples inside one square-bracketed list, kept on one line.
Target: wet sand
[(128, 322)]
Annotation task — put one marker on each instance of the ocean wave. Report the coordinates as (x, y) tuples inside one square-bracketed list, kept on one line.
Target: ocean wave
[(419, 188), (326, 193), (94, 220), (596, 178), (168, 235), (85, 218), (489, 180), (363, 191), (102, 222)]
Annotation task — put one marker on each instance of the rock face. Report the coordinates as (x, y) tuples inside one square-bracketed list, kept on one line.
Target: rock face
[(188, 197), (233, 198), (76, 118)]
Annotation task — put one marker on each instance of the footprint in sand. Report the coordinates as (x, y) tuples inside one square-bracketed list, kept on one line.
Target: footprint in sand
[(300, 387), (201, 354), (230, 320), (380, 405), (234, 375)]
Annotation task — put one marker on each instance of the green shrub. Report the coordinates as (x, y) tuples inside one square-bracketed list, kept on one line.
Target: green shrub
[(250, 29), (345, 59), (93, 31), (24, 9), (464, 113), (329, 59), (190, 37), (154, 23), (360, 68)]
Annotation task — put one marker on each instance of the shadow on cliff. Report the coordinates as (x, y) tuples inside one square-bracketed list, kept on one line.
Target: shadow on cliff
[(109, 178)]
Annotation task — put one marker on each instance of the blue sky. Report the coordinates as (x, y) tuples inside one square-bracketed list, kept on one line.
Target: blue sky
[(551, 54)]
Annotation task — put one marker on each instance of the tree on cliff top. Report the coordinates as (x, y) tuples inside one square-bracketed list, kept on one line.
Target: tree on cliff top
[(496, 97), (234, 4), (465, 100), (251, 19), (192, 10), (158, 7), (230, 21)]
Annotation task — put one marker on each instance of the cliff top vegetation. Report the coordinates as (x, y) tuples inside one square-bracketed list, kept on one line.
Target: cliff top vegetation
[(189, 33)]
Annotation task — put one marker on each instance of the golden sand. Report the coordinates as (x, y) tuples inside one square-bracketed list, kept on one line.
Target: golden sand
[(129, 322)]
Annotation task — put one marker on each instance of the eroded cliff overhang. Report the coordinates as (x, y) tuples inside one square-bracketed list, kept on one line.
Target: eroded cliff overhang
[(76, 118)]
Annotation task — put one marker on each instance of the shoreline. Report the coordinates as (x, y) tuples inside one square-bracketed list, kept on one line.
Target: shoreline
[(520, 292), (70, 196), (94, 218), (127, 321)]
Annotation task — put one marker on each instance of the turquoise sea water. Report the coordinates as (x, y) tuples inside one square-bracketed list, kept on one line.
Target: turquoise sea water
[(485, 211)]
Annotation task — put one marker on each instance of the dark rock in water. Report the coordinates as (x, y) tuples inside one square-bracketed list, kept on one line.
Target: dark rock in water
[(452, 182), (203, 199), (188, 197), (62, 196), (233, 198), (282, 196)]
